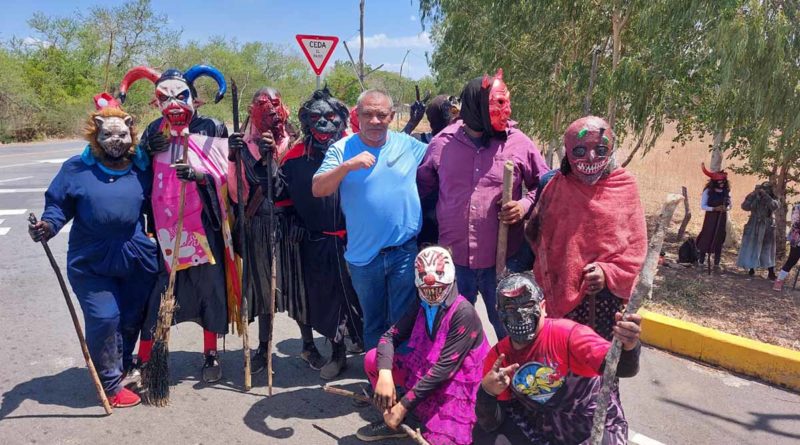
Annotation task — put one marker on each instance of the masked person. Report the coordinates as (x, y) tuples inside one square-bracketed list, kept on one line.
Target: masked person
[(464, 167), (111, 263), (588, 230), (758, 238), (541, 383), (716, 202), (794, 249), (331, 309), (439, 367), (267, 132), (207, 283)]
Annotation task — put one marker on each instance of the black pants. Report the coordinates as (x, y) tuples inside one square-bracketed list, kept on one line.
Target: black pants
[(791, 261)]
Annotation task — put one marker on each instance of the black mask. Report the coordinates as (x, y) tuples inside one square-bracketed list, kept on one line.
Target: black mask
[(518, 305)]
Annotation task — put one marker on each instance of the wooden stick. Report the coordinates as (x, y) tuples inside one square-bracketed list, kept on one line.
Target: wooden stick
[(273, 268), (502, 233), (76, 323), (416, 436), (643, 288), (687, 214)]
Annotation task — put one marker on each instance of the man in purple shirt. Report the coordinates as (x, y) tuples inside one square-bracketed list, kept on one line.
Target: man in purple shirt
[(464, 165)]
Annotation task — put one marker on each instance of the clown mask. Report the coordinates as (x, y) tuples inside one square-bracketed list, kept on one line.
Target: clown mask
[(519, 301), (589, 143), (114, 135), (268, 113), (436, 275), (174, 99), (499, 101)]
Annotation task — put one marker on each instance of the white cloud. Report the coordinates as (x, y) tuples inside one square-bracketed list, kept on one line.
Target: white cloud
[(421, 40), (33, 41)]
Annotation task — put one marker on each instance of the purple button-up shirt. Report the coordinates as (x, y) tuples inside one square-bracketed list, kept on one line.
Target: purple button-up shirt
[(469, 181)]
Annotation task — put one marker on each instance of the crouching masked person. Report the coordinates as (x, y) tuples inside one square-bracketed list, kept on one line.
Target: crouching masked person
[(328, 302), (440, 367), (111, 263), (206, 284), (541, 382)]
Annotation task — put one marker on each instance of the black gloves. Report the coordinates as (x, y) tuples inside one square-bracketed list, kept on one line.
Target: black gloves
[(235, 145), (185, 172), (41, 231), (156, 143)]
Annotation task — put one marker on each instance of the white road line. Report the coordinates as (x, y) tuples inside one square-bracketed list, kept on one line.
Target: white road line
[(15, 179), (6, 212), (4, 230), (641, 439), (31, 190), (52, 161)]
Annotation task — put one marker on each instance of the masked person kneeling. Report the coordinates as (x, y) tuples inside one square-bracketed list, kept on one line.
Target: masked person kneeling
[(541, 382)]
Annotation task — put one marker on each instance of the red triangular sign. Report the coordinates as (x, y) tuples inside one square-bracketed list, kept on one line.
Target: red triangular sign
[(318, 49)]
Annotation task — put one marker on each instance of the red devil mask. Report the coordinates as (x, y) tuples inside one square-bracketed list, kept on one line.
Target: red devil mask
[(268, 113), (589, 143), (499, 100)]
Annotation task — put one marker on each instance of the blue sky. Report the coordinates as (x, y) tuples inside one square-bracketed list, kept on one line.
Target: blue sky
[(391, 27)]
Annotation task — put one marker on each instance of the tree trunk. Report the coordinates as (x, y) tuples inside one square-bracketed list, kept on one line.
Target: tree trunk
[(716, 150), (361, 48), (617, 23), (781, 184), (552, 147), (587, 101)]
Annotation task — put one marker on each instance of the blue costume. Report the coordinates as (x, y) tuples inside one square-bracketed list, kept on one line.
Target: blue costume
[(111, 263)]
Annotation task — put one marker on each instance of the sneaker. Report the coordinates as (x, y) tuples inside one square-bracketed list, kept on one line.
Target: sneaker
[(132, 375), (778, 286), (312, 356), (378, 431), (125, 398), (258, 360), (212, 371)]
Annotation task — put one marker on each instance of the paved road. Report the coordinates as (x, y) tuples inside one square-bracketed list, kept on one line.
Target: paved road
[(47, 396)]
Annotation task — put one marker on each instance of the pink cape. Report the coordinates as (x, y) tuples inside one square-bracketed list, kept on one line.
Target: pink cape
[(576, 224)]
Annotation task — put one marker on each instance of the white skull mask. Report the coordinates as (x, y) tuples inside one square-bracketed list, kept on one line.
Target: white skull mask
[(175, 101), (436, 275), (114, 135)]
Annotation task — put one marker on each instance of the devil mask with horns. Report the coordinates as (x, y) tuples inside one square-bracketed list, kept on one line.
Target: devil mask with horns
[(175, 93), (323, 119), (486, 105), (589, 145)]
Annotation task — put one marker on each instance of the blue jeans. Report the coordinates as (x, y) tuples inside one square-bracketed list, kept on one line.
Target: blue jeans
[(385, 289), (470, 281)]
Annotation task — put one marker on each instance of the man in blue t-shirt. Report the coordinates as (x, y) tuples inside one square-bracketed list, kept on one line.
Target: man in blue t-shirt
[(375, 171)]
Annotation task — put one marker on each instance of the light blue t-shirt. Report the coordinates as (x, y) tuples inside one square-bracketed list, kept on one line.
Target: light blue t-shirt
[(381, 204)]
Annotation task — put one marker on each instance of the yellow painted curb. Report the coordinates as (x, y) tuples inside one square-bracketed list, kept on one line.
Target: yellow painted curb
[(774, 364)]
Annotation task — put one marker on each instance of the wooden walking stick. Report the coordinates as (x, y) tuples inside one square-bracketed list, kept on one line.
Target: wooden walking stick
[(415, 435), (75, 322), (502, 233), (242, 244), (643, 288), (156, 378), (273, 269)]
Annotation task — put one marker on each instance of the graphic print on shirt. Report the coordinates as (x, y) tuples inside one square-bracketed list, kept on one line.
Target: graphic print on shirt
[(537, 381)]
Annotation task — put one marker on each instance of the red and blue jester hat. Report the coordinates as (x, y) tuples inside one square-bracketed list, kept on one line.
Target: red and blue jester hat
[(175, 93)]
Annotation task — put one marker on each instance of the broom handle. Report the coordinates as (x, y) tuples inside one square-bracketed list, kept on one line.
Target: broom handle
[(502, 232), (173, 270), (76, 323)]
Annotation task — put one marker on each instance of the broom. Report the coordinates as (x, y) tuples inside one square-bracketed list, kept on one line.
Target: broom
[(156, 379)]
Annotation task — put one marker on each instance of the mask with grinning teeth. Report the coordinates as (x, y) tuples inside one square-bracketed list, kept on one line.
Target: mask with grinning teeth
[(519, 301), (589, 143), (436, 275)]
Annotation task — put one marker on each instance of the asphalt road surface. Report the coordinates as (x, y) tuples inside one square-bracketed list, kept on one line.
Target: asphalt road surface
[(47, 396)]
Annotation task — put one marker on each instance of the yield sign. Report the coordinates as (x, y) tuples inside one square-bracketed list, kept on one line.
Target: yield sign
[(318, 49)]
